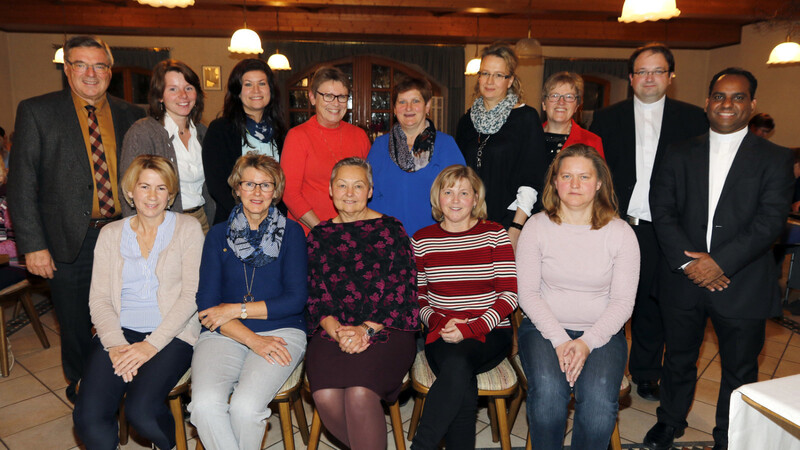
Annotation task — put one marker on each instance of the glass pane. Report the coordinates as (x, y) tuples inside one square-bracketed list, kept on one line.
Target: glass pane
[(348, 70), (298, 99), (297, 118), (379, 123), (116, 86), (348, 117), (381, 100), (141, 85), (381, 77), (302, 83)]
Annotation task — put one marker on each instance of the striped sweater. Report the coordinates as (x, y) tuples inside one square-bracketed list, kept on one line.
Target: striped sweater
[(468, 275)]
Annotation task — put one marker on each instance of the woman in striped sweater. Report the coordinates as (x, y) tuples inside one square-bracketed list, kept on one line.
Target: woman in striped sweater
[(467, 290)]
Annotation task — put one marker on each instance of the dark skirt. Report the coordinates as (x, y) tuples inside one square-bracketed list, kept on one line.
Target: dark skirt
[(380, 368)]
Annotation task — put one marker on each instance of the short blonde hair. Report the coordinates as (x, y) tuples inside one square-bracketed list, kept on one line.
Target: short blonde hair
[(449, 177), (569, 78), (262, 163), (157, 164), (507, 54), (604, 207)]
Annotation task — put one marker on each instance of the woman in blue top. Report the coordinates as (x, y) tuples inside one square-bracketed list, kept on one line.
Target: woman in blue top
[(251, 299), (407, 160)]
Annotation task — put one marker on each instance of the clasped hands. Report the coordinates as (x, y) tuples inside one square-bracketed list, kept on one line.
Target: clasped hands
[(450, 333), (352, 339), (127, 359), (571, 358), (705, 272)]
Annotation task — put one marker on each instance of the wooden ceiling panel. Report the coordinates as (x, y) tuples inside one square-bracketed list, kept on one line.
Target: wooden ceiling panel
[(702, 24)]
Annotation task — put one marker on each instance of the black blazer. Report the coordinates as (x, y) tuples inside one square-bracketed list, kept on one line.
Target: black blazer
[(50, 185), (616, 126), (750, 216)]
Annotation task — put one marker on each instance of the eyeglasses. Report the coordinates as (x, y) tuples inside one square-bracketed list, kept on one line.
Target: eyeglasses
[(80, 67), (644, 73), (250, 186), (329, 97), (494, 76), (569, 98)]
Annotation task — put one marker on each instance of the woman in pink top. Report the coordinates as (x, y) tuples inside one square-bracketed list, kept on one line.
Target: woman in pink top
[(578, 267), (314, 147)]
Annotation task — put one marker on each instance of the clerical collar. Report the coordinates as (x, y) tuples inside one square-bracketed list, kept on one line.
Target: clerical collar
[(656, 104), (719, 137)]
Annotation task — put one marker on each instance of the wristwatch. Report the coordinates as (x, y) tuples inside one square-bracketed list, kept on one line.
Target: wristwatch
[(370, 331), (244, 311)]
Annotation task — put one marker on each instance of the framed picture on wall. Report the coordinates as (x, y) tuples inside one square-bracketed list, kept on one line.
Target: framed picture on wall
[(212, 79)]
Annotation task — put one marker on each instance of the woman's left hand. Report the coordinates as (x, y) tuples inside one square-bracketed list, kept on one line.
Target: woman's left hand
[(217, 316), (132, 357), (450, 333), (578, 351), (352, 339)]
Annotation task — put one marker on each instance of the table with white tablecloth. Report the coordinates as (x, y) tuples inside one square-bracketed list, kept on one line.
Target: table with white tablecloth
[(766, 415)]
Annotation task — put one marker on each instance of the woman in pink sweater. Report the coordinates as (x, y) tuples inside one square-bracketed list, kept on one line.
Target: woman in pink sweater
[(578, 267)]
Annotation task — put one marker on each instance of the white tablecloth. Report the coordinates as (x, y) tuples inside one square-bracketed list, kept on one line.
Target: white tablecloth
[(751, 428)]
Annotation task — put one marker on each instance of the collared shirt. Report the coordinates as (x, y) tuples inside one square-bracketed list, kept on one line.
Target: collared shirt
[(190, 164), (722, 151), (106, 124), (647, 118), (139, 301)]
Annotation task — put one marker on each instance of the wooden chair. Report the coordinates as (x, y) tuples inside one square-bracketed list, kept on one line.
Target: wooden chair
[(394, 414), (288, 399), (174, 400), (22, 290), (497, 384)]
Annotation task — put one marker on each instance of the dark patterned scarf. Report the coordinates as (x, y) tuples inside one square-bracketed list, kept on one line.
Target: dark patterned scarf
[(398, 146), (257, 248)]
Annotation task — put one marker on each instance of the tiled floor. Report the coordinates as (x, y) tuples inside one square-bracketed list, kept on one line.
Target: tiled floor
[(34, 412)]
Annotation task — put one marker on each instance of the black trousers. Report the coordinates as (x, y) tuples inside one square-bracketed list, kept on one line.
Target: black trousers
[(452, 402), (740, 342), (647, 329), (70, 291)]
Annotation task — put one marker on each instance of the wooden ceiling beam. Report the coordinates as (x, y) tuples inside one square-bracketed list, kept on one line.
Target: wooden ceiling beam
[(221, 21)]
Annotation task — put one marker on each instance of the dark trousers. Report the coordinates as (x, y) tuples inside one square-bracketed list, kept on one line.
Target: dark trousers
[(70, 292), (452, 402), (647, 330), (145, 406), (740, 342)]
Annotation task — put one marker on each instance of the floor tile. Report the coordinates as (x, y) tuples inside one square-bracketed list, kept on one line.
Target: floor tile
[(702, 364), (484, 439), (694, 435), (767, 364), (774, 349), (50, 321), (777, 333), (53, 378), (713, 372), (42, 359), (56, 435), (764, 377), (62, 394), (639, 403), (708, 350), (786, 368), (792, 354), (30, 413), (16, 372), (795, 341), (25, 341), (633, 423), (701, 416), (706, 391), (20, 389)]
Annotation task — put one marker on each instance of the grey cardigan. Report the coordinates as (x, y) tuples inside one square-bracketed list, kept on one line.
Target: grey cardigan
[(178, 273), (149, 137)]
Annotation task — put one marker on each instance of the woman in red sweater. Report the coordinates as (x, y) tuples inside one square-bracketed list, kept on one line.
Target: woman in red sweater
[(314, 147), (467, 283)]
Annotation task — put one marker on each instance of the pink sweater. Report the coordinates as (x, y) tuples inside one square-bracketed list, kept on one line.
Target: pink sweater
[(572, 277)]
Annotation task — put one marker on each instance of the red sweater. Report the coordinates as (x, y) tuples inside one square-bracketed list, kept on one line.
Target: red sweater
[(468, 275), (578, 135), (309, 154)]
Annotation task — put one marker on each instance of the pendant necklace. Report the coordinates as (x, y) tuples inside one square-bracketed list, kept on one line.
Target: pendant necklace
[(481, 146), (248, 297)]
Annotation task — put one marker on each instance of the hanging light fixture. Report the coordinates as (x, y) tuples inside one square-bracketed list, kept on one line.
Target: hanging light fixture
[(785, 53), (245, 40), (528, 48), (648, 10), (167, 3), (58, 58), (474, 64), (278, 61)]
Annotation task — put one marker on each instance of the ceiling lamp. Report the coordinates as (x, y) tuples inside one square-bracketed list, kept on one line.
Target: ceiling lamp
[(278, 61), (245, 40), (474, 64), (648, 10), (58, 58), (785, 53), (167, 3), (527, 48)]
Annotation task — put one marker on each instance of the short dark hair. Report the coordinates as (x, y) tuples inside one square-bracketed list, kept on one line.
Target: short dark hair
[(87, 41), (158, 83), (762, 120), (409, 84), (735, 71), (233, 110), (655, 47)]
